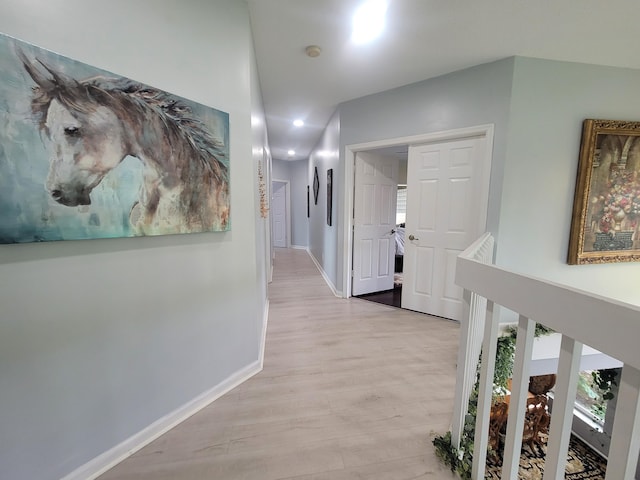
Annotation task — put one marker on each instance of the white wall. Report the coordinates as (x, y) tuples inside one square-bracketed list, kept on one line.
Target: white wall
[(475, 96), (100, 338), (281, 170), (549, 102), (537, 107), (262, 162)]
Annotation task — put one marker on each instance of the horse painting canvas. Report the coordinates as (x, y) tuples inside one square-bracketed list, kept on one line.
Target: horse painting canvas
[(88, 154)]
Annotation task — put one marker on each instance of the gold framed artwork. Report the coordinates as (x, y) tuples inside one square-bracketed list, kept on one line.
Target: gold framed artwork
[(606, 208)]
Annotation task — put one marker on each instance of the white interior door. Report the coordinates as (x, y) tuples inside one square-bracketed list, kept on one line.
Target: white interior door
[(446, 212), (279, 214), (376, 184)]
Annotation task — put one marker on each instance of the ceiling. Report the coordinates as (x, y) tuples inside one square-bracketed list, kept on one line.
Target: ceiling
[(422, 39)]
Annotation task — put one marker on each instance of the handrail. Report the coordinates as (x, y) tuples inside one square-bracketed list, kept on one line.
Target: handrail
[(607, 325), (581, 317)]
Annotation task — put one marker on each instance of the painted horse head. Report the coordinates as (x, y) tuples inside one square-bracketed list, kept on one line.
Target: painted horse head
[(86, 138), (93, 124)]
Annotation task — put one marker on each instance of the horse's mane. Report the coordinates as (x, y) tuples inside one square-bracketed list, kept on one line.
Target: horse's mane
[(177, 117), (176, 112)]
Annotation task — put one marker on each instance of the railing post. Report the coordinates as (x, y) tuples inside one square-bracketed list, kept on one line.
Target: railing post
[(625, 438), (461, 400), (471, 334), (563, 402), (519, 388), (489, 346)]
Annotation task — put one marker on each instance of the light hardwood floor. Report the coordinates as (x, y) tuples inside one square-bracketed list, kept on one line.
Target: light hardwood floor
[(350, 390)]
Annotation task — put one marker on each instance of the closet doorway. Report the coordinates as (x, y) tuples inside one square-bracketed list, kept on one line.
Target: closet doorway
[(280, 216), (447, 197), (379, 207)]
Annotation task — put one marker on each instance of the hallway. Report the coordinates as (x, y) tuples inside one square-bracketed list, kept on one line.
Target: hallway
[(350, 389)]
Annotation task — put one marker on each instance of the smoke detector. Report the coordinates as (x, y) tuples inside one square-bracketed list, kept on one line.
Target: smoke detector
[(313, 51)]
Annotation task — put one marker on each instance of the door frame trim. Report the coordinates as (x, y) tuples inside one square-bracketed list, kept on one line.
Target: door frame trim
[(485, 130), (287, 206)]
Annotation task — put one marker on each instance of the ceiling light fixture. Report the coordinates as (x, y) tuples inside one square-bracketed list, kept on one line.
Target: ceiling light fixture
[(298, 123), (291, 153), (313, 51), (368, 21)]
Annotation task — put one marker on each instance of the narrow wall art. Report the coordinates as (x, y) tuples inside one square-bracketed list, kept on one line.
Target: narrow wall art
[(88, 154), (316, 185), (606, 210)]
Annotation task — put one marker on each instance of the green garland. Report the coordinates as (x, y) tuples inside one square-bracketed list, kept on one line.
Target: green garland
[(604, 380), (460, 460)]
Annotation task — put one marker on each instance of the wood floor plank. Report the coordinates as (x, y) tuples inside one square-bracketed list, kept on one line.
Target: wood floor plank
[(350, 389)]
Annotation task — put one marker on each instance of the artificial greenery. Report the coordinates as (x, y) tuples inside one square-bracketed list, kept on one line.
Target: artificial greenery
[(504, 365), (604, 380), (460, 460)]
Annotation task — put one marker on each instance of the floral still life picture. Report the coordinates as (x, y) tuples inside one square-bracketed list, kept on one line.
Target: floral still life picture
[(85, 153), (606, 210)]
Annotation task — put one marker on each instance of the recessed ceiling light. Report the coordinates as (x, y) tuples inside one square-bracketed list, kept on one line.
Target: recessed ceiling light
[(368, 21), (291, 153), (298, 123)]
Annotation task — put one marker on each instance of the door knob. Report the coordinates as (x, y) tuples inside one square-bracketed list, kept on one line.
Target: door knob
[(411, 237)]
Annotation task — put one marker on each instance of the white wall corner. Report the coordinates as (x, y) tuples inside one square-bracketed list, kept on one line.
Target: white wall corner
[(109, 459), (327, 280), (263, 336)]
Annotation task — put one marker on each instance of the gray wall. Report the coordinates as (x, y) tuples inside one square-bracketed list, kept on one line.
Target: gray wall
[(280, 169), (537, 107), (323, 239), (100, 338), (296, 173), (475, 96), (549, 102), (299, 221)]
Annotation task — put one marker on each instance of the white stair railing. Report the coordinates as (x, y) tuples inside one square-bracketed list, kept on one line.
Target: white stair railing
[(471, 329), (582, 318)]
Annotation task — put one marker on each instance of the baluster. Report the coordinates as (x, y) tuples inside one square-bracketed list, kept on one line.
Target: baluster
[(461, 400), (625, 438), (517, 404), (563, 402), (489, 346)]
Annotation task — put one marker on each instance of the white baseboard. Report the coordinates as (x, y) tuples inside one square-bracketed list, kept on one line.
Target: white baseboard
[(299, 247), (324, 275), (107, 460), (263, 336)]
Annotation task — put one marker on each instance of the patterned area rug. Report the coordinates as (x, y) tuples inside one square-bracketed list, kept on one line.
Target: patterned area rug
[(582, 462)]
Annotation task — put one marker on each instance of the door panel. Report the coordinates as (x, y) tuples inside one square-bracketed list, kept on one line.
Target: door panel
[(428, 213), (444, 184), (423, 283), (366, 254), (384, 258), (376, 183), (458, 202), (451, 291)]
